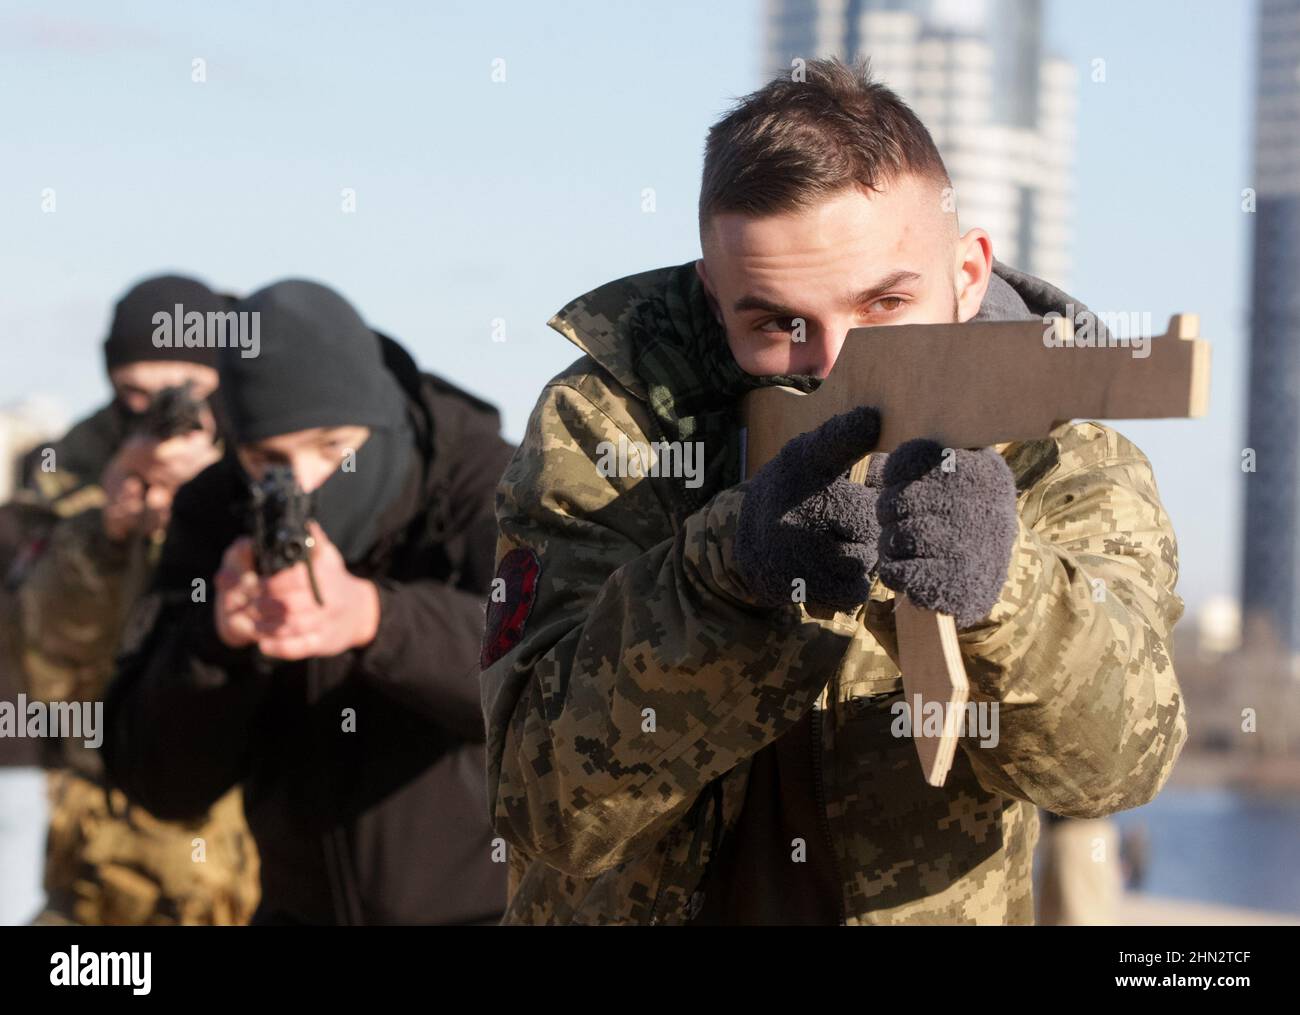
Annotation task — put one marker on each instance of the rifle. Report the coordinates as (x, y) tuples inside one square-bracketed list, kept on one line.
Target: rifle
[(280, 513), (172, 412), (976, 385)]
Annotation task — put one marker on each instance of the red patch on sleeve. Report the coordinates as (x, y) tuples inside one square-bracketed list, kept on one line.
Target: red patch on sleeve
[(24, 560), (510, 601)]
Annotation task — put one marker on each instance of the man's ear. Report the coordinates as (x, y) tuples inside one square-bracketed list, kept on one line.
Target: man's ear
[(703, 272), (972, 270)]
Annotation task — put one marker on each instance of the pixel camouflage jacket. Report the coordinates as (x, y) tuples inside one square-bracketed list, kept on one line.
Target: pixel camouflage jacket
[(107, 863), (619, 601), (73, 586)]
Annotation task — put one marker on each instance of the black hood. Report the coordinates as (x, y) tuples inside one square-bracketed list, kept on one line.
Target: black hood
[(317, 364), (131, 333)]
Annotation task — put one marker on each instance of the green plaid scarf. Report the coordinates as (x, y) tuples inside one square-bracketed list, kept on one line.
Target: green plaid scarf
[(694, 383)]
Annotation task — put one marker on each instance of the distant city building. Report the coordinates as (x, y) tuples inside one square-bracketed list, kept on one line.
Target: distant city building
[(1271, 573), (22, 427), (1001, 113), (1218, 627)]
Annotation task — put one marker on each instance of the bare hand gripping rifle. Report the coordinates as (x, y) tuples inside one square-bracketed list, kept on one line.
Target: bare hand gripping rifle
[(976, 385)]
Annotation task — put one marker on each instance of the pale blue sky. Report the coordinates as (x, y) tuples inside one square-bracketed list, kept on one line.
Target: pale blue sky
[(479, 200)]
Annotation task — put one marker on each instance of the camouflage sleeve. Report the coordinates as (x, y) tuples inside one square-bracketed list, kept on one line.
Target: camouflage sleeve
[(1076, 651), (631, 672), (72, 605)]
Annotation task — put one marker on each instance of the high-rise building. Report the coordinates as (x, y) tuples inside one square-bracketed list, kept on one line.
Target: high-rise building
[(1271, 575), (1001, 112)]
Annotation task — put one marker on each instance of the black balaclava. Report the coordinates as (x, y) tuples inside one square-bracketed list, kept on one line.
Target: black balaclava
[(130, 336), (319, 365)]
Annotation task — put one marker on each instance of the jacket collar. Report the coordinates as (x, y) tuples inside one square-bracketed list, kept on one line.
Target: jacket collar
[(594, 322)]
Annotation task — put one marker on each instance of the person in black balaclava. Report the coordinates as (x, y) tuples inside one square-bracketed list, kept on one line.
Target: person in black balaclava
[(342, 696), (95, 505), (322, 372), (139, 473)]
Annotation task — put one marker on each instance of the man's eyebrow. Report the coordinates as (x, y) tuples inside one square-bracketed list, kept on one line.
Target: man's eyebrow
[(867, 295), (759, 303), (890, 281)]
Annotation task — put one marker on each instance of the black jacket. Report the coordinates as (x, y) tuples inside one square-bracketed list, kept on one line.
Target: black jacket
[(384, 825)]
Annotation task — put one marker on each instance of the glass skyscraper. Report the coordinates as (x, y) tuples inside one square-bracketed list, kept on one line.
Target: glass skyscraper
[(1001, 112), (1270, 597)]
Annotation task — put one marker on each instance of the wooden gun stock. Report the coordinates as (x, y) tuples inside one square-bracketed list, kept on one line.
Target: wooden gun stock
[(971, 386)]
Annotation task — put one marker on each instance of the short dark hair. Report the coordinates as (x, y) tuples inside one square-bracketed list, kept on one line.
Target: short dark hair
[(794, 142)]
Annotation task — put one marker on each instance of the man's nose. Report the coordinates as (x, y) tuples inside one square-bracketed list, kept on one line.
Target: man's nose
[(827, 350), (309, 473)]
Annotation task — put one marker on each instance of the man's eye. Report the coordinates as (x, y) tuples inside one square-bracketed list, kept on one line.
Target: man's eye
[(777, 326), (887, 304)]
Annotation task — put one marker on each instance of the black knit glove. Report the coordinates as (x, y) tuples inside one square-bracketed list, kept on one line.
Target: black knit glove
[(802, 518), (946, 537)]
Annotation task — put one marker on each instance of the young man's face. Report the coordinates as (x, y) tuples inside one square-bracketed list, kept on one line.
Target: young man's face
[(314, 455), (136, 384), (860, 258)]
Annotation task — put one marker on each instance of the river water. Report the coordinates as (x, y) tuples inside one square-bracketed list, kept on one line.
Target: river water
[(1222, 846)]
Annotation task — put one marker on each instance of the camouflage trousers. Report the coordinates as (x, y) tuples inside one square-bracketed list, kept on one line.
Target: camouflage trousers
[(109, 862)]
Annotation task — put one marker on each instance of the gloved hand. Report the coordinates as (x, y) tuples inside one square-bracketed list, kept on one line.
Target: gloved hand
[(802, 518), (946, 537)]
